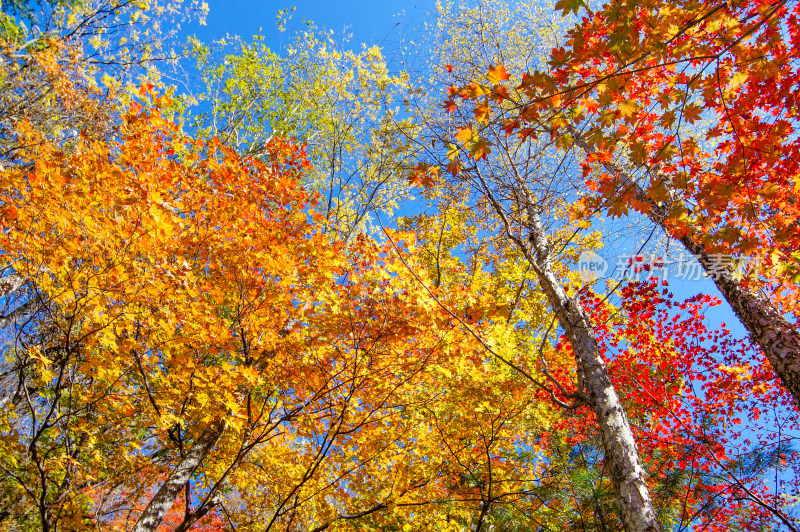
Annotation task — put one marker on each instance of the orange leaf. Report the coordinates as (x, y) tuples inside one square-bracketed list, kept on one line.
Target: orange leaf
[(497, 74)]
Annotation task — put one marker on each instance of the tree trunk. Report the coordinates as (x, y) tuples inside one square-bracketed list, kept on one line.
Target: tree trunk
[(621, 454), (160, 504), (778, 339)]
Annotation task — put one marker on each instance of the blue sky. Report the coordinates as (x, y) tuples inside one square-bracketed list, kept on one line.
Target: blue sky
[(372, 22)]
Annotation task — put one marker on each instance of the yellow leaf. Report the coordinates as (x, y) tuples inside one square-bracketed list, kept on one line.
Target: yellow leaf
[(464, 135)]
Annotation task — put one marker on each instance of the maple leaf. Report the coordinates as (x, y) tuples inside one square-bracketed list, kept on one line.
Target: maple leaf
[(628, 108), (691, 113), (558, 56), (464, 135), (479, 149), (567, 6), (482, 112), (497, 74), (425, 175)]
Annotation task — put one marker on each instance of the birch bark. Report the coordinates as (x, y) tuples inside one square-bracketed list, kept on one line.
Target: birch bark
[(595, 387), (621, 454), (160, 504)]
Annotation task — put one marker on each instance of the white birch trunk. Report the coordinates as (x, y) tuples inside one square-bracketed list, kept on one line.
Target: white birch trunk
[(621, 454), (161, 503)]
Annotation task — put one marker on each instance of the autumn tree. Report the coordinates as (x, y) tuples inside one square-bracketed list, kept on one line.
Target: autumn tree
[(684, 113), (516, 186), (529, 184), (109, 238), (222, 330), (197, 335), (344, 104)]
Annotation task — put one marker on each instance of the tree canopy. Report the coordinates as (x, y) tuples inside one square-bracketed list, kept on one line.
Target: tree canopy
[(314, 289)]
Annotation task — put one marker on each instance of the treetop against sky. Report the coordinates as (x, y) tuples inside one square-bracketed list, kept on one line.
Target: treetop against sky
[(384, 24)]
